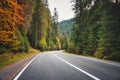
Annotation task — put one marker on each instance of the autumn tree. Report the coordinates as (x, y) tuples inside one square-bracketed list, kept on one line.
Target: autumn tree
[(11, 18)]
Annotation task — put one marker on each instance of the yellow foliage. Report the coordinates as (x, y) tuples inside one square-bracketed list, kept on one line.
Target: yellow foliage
[(58, 41), (42, 43)]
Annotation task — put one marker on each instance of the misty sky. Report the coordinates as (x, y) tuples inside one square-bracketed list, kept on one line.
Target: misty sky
[(64, 8)]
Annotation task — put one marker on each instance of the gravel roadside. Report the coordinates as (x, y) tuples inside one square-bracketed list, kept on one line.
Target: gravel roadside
[(10, 71)]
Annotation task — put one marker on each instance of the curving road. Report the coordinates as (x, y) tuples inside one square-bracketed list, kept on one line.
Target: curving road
[(55, 65)]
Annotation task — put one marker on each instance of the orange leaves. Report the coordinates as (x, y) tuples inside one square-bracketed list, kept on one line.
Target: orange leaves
[(18, 11), (5, 37), (11, 12), (11, 15)]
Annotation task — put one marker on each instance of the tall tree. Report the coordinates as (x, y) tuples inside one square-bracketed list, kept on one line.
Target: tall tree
[(93, 31), (11, 17), (55, 35), (39, 26)]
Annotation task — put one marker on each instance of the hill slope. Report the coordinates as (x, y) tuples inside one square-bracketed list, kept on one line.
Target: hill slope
[(64, 29)]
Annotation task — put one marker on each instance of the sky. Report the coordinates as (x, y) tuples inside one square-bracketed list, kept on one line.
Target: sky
[(64, 8)]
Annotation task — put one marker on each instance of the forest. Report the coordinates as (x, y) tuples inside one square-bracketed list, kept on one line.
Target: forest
[(94, 31), (64, 31), (25, 24)]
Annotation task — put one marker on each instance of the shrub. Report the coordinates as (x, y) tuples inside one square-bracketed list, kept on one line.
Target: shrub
[(115, 56), (3, 49)]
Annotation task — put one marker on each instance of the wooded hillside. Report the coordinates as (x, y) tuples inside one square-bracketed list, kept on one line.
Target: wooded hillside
[(25, 24), (96, 30), (64, 30)]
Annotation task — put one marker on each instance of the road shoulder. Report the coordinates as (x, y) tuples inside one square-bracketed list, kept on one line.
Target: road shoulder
[(10, 71)]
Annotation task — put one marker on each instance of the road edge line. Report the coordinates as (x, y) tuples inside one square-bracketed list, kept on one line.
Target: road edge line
[(109, 62), (20, 73), (90, 75)]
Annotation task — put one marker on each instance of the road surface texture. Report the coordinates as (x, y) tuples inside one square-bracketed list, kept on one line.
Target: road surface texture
[(56, 65)]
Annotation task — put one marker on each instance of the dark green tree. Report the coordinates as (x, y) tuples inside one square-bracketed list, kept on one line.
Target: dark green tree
[(96, 28)]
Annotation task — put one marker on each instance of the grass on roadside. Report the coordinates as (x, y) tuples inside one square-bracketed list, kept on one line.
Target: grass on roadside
[(9, 58)]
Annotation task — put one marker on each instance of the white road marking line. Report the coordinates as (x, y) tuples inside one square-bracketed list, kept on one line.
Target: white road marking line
[(95, 78), (99, 60), (20, 73)]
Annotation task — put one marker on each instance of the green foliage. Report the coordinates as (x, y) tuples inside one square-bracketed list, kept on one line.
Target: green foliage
[(64, 31), (96, 29), (115, 56), (23, 42), (42, 44), (40, 31), (19, 44), (65, 27), (43, 28), (3, 49), (51, 45), (10, 58)]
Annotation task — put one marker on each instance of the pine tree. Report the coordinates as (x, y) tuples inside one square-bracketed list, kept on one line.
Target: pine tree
[(55, 28)]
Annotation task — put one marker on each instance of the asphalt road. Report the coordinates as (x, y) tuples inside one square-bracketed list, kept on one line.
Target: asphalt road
[(55, 65)]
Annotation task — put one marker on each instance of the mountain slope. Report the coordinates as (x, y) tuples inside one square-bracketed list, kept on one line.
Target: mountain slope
[(64, 29)]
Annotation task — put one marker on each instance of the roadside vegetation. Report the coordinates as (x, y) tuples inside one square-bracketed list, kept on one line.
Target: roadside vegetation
[(26, 24), (10, 58), (96, 29)]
